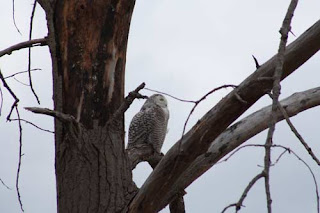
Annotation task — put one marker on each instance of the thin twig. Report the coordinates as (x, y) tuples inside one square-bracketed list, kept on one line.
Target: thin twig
[(28, 122), (163, 93), (20, 82), (25, 44), (201, 99), (191, 101), (16, 100), (20, 156), (279, 157), (18, 73), (237, 150), (239, 204), (310, 170), (5, 185), (14, 19), (29, 51), (294, 130)]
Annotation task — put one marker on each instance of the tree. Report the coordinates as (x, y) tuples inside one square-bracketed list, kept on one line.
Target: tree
[(88, 49)]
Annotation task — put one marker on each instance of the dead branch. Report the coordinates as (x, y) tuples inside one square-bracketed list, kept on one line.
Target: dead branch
[(29, 51), (16, 100), (19, 161), (4, 184), (20, 82), (25, 44), (241, 131), (59, 115), (18, 73), (13, 17), (310, 170), (239, 204), (32, 124), (200, 100), (295, 131), (127, 102), (285, 29), (198, 139)]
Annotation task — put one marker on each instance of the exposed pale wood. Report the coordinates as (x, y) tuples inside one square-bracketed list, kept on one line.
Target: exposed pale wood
[(243, 130), (153, 193), (88, 43)]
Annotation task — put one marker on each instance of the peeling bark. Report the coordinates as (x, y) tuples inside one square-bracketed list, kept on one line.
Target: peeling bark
[(88, 42)]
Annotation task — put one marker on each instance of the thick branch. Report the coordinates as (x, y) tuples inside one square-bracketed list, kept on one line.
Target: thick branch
[(243, 130), (25, 44), (59, 115), (198, 139)]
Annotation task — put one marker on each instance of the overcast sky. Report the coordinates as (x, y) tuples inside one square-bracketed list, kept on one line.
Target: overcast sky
[(184, 48)]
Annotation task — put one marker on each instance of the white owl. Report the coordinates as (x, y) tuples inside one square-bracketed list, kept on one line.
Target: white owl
[(149, 125)]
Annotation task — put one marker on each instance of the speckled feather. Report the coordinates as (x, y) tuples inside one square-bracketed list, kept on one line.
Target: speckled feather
[(149, 125)]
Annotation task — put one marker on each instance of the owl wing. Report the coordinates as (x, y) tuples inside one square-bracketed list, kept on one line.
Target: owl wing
[(148, 127), (141, 126)]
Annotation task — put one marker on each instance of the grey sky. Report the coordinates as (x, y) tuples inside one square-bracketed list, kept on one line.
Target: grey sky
[(184, 48)]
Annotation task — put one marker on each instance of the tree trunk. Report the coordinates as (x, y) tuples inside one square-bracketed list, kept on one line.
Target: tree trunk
[(88, 42)]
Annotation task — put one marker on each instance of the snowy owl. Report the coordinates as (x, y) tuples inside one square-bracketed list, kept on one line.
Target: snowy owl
[(149, 125)]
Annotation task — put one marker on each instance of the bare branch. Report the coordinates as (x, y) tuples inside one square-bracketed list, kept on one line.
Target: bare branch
[(294, 130), (310, 170), (19, 162), (239, 204), (285, 29), (16, 100), (4, 184), (32, 124), (201, 99), (14, 19), (18, 73), (198, 139), (25, 44), (29, 51), (128, 101), (167, 94), (59, 115), (240, 132), (20, 82)]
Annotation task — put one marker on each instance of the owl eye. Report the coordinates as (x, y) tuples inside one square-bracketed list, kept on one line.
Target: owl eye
[(161, 99)]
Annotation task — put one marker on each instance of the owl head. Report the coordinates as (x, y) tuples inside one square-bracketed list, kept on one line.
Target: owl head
[(159, 100)]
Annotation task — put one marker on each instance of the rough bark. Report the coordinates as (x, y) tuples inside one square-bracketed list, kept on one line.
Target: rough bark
[(88, 42), (152, 195)]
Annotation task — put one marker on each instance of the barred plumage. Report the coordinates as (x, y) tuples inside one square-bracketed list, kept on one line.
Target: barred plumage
[(149, 125)]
